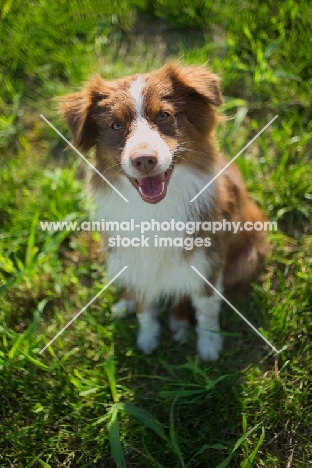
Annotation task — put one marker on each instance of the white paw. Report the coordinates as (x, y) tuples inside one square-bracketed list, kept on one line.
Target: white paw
[(147, 339), (123, 308), (179, 329), (209, 344), (147, 342)]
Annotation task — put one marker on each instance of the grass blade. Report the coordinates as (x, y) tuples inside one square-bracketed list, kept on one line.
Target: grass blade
[(238, 444), (146, 418), (114, 439), (28, 334), (111, 375), (248, 462), (44, 464), (173, 437), (31, 250)]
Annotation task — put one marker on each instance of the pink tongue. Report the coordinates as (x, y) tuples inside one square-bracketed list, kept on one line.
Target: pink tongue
[(152, 187)]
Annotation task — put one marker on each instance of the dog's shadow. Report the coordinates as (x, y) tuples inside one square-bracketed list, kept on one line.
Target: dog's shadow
[(201, 402)]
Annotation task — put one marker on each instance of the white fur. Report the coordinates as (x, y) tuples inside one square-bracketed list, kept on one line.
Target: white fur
[(136, 92), (157, 271), (209, 340), (149, 330), (123, 308), (143, 139)]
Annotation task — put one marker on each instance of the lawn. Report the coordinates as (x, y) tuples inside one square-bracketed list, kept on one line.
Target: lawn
[(92, 399)]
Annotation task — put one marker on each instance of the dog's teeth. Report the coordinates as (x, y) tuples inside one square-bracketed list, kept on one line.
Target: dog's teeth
[(162, 189)]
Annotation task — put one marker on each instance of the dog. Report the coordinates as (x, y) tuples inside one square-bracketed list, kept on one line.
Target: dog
[(153, 139)]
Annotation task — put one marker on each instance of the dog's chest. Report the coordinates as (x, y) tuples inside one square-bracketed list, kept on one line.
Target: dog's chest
[(155, 267), (157, 271)]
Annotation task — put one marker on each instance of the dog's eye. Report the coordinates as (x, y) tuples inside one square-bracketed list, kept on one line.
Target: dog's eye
[(163, 116), (116, 126)]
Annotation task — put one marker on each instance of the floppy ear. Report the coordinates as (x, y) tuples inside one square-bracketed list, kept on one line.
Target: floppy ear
[(195, 92), (196, 81), (79, 111), (204, 83)]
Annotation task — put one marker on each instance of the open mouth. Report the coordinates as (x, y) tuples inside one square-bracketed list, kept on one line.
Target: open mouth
[(154, 188)]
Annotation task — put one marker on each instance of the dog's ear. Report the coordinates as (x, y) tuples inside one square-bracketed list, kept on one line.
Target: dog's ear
[(79, 111), (203, 82), (196, 81), (195, 93)]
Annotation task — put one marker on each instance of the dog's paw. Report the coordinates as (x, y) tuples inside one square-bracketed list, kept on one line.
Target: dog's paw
[(147, 342), (123, 308), (179, 329), (147, 339), (209, 344)]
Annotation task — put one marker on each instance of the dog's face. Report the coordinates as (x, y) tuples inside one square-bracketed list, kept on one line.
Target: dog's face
[(141, 124)]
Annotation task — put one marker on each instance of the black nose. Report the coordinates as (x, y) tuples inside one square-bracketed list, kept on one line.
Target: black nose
[(144, 163)]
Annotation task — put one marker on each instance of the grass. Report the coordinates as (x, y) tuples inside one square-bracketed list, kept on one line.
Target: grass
[(92, 399)]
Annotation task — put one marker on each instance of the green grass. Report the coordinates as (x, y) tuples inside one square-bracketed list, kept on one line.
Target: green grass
[(93, 399)]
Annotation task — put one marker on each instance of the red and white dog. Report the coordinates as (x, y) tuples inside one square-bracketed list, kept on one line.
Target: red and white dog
[(154, 141)]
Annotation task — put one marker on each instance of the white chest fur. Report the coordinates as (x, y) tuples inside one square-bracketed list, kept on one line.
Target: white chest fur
[(155, 270)]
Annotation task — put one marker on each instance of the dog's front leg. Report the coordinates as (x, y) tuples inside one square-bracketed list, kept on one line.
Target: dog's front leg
[(149, 327), (207, 310)]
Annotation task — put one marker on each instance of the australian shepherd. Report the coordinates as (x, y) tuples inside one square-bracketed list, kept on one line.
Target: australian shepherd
[(153, 139)]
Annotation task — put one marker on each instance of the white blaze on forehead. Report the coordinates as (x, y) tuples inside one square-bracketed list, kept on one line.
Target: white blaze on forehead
[(136, 92), (143, 137)]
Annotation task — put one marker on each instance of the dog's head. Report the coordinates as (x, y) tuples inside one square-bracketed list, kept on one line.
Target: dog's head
[(141, 124)]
